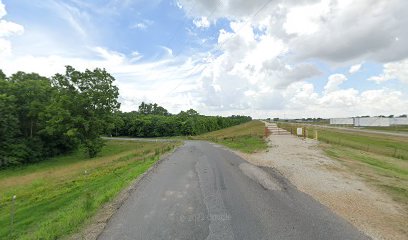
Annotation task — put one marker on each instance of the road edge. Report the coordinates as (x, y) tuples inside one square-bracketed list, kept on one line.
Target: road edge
[(94, 226)]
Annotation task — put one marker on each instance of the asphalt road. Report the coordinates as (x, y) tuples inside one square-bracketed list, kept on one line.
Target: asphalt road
[(203, 191)]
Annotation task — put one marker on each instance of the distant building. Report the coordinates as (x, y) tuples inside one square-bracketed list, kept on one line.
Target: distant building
[(341, 121), (399, 121), (372, 122), (369, 121)]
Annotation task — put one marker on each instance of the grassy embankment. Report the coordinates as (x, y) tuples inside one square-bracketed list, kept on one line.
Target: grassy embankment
[(380, 159), (55, 197), (247, 137)]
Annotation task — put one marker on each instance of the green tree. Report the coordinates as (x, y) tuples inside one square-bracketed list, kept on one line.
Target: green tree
[(33, 94), (116, 123), (25, 97), (152, 109), (86, 102), (2, 75), (9, 130), (192, 112)]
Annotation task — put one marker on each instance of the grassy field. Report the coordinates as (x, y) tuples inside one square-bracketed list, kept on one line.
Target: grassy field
[(55, 197), (247, 137), (403, 128), (395, 128), (380, 159)]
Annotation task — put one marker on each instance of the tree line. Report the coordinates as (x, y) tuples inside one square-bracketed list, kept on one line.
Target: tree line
[(154, 121), (42, 117)]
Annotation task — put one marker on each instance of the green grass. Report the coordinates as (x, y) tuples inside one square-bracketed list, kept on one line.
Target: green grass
[(395, 128), (403, 128), (111, 148), (380, 159), (55, 198), (247, 137)]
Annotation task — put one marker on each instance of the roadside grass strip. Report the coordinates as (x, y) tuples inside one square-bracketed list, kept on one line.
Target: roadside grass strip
[(54, 198)]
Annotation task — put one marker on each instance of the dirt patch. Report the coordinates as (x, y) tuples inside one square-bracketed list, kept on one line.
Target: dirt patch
[(329, 182)]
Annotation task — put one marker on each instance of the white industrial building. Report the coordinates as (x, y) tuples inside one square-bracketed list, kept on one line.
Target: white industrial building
[(342, 121), (399, 121), (372, 122), (369, 121)]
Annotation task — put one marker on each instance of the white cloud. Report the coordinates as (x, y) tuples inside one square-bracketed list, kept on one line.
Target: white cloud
[(334, 82), (339, 99), (303, 100), (300, 95), (268, 49), (139, 26), (7, 29), (201, 22), (306, 19), (393, 71), (232, 9), (168, 51), (179, 5), (344, 34), (111, 57), (248, 72), (355, 68), (5, 47), (135, 56), (330, 30), (378, 79), (3, 11), (74, 16), (143, 25)]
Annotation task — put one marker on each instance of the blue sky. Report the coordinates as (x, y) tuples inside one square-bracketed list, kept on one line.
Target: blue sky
[(260, 58)]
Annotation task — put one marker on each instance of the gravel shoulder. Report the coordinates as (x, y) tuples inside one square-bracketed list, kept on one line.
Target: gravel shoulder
[(329, 182)]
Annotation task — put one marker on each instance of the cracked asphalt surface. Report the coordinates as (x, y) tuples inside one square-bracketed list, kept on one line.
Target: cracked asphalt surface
[(203, 191)]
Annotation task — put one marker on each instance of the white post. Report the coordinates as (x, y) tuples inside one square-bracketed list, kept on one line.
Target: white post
[(13, 200)]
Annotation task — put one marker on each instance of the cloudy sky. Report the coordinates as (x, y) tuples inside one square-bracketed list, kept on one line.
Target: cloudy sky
[(264, 58)]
